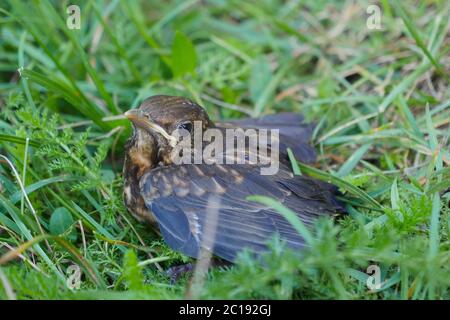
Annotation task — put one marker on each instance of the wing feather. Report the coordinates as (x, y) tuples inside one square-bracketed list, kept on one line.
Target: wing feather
[(183, 216), (294, 132)]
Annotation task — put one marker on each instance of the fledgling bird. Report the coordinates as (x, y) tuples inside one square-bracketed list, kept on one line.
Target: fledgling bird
[(177, 197)]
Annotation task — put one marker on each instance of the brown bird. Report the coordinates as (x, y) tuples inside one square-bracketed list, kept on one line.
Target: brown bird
[(181, 199)]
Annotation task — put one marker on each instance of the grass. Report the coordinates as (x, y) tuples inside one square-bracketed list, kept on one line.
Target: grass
[(380, 99)]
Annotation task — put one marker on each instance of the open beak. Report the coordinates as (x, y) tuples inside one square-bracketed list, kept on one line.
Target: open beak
[(140, 119)]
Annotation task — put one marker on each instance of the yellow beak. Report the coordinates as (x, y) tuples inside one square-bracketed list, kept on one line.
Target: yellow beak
[(134, 114), (140, 119)]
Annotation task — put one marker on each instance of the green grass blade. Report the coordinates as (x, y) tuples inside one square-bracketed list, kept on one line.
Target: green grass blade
[(14, 139), (351, 162), (294, 164), (288, 214), (324, 176), (415, 34)]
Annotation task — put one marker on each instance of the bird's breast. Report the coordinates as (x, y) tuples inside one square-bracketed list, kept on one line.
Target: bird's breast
[(134, 168), (136, 205)]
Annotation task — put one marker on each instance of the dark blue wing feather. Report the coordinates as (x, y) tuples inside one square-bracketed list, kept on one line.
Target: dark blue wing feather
[(294, 132), (179, 197)]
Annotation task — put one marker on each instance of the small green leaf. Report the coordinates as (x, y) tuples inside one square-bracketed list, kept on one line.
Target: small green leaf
[(60, 221), (184, 57), (133, 272)]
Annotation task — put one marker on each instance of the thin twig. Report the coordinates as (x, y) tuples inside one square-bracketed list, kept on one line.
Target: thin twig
[(205, 255), (24, 258)]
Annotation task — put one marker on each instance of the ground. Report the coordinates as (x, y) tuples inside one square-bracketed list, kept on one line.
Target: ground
[(372, 76)]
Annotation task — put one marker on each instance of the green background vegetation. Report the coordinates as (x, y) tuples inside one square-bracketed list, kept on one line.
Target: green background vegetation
[(380, 99)]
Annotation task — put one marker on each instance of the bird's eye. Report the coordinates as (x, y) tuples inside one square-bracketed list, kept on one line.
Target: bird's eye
[(185, 125)]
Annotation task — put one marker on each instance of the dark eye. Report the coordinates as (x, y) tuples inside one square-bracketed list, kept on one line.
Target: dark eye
[(185, 125)]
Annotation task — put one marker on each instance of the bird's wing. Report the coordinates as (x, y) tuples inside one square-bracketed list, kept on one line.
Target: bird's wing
[(294, 132), (186, 198)]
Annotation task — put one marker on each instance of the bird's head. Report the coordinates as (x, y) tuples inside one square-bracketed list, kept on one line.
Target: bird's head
[(155, 121)]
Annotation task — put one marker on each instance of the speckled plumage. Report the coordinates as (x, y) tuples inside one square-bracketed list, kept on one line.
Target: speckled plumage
[(179, 199)]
